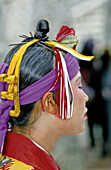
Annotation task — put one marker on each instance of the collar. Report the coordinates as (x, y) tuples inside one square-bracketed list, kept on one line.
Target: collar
[(39, 146), (23, 149)]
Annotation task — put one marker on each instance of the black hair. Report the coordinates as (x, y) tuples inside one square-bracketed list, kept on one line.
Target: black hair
[(37, 62)]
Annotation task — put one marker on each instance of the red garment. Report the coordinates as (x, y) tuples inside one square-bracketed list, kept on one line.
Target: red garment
[(23, 149)]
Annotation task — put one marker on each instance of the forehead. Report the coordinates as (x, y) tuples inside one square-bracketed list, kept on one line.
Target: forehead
[(77, 77)]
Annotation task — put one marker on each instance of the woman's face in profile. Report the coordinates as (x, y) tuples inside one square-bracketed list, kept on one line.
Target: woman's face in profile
[(77, 122)]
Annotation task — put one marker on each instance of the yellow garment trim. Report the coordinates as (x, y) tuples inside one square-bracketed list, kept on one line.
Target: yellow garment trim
[(1, 157), (16, 165)]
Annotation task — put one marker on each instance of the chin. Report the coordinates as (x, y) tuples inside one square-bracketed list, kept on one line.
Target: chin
[(75, 132)]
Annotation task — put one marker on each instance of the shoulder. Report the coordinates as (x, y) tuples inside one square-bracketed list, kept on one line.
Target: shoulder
[(12, 164)]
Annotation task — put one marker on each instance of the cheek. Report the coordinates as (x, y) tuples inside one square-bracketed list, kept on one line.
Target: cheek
[(77, 122), (78, 97)]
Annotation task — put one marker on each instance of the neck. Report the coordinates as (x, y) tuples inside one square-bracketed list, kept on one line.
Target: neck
[(46, 139), (42, 134)]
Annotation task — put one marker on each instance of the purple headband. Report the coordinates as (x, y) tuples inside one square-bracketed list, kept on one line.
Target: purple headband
[(32, 93)]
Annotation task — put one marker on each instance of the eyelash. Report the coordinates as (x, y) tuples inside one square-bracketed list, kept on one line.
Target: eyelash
[(80, 87)]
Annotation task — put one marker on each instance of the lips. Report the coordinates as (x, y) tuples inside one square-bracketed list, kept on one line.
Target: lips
[(85, 115)]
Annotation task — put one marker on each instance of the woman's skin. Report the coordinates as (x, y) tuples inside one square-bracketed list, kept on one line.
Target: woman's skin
[(46, 127)]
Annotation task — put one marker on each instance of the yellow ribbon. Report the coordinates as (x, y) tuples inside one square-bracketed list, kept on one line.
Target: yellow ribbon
[(69, 49), (12, 78)]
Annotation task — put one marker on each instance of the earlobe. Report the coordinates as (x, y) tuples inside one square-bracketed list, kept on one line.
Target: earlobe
[(48, 103)]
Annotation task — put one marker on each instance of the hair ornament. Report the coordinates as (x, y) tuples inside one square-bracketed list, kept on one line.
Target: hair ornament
[(64, 106), (31, 34), (68, 49)]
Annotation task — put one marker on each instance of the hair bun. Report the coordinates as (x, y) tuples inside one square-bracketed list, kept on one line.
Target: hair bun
[(42, 29)]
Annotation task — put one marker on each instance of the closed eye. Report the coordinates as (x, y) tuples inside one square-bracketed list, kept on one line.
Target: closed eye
[(80, 86)]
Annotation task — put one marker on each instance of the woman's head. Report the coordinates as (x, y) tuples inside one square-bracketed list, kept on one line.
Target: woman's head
[(38, 60), (41, 83)]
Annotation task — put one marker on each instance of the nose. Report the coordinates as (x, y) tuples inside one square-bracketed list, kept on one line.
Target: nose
[(86, 97)]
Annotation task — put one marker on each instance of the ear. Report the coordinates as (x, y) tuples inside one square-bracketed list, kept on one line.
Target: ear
[(48, 103)]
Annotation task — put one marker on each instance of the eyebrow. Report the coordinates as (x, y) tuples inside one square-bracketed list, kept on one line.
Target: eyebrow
[(79, 78)]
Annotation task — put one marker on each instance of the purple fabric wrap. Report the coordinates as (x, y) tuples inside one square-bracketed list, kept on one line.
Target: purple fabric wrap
[(32, 93)]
